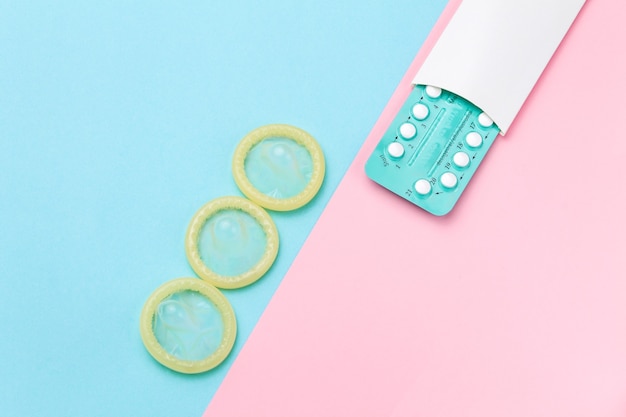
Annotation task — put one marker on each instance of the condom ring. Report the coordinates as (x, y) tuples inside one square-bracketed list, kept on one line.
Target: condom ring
[(231, 242), (188, 325), (279, 167)]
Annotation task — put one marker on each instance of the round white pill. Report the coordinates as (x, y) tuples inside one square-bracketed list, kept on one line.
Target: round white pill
[(420, 111), (473, 139), (461, 159), (395, 149), (433, 92), (484, 120), (423, 187), (408, 130), (448, 180)]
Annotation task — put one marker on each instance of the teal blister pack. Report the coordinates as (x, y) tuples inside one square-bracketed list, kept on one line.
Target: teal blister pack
[(432, 149)]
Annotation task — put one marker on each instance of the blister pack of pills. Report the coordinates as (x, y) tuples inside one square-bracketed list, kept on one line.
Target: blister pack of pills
[(432, 148)]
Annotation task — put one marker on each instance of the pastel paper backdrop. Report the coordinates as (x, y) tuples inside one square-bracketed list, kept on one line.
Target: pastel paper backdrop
[(512, 305)]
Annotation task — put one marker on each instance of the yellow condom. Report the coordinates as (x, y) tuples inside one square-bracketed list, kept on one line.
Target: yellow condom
[(231, 242), (279, 167), (188, 325)]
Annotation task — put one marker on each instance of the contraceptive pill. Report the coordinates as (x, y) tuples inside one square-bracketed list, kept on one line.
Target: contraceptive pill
[(448, 180), (433, 92), (395, 150), (484, 120), (461, 159), (423, 187), (408, 130), (473, 139), (420, 111)]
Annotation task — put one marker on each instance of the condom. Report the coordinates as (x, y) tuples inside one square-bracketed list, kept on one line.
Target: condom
[(231, 242), (279, 167), (188, 325)]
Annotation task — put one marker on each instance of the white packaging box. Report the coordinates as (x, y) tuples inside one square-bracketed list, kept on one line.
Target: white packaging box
[(493, 51)]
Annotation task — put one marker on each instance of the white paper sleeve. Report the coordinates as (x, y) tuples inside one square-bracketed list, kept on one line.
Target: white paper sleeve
[(493, 51)]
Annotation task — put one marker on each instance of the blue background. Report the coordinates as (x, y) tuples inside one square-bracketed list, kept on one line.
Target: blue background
[(118, 120)]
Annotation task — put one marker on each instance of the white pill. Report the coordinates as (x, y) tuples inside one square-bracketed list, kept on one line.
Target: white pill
[(448, 180), (484, 120), (461, 159), (395, 149), (408, 130), (420, 111), (433, 92), (473, 139), (422, 187)]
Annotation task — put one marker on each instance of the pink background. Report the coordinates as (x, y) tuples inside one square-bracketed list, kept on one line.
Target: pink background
[(513, 305)]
